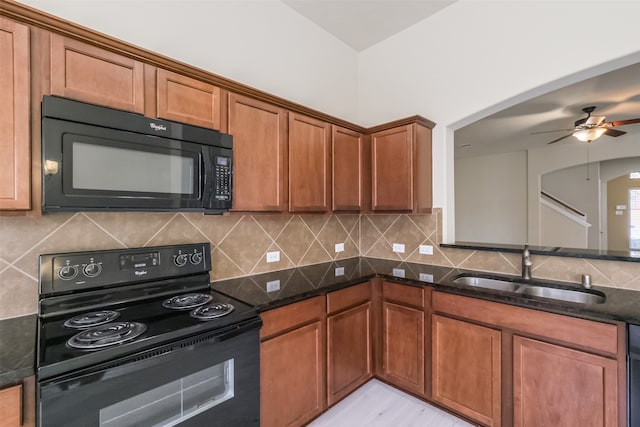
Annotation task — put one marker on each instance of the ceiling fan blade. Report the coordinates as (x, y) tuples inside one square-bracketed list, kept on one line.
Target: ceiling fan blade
[(626, 122), (560, 139), (549, 131), (614, 132), (595, 120)]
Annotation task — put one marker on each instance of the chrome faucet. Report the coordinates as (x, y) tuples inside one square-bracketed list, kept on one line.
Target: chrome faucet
[(526, 263)]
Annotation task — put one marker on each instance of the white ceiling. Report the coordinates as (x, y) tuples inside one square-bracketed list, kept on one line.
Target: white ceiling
[(616, 95), (363, 23)]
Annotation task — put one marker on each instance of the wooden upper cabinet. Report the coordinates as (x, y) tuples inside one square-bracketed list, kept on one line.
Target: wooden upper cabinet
[(401, 169), (466, 370), (347, 149), (187, 100), (554, 385), (87, 73), (309, 164), (259, 155), (15, 160)]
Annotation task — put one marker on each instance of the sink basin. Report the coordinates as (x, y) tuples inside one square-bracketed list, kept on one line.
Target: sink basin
[(568, 295), (485, 282), (532, 289)]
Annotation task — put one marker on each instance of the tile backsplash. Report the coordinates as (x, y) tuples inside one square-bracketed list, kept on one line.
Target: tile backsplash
[(240, 242)]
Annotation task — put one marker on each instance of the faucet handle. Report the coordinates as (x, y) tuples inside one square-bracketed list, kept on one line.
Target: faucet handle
[(586, 281)]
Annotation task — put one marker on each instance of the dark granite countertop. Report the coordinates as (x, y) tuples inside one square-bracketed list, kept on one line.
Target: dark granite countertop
[(271, 290), (17, 348), (275, 289)]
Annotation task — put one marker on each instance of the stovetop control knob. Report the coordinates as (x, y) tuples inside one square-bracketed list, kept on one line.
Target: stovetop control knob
[(196, 258), (180, 260), (68, 272), (92, 269)]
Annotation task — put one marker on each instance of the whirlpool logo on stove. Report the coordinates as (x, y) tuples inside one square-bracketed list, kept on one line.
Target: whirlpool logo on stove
[(140, 272), (155, 126)]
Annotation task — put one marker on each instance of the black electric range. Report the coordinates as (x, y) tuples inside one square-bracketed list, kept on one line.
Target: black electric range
[(142, 308)]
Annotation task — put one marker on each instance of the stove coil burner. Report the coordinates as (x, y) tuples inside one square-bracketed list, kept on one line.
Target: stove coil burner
[(89, 320), (106, 335), (186, 301), (212, 311)]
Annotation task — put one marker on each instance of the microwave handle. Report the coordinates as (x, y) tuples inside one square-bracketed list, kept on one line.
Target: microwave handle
[(207, 180)]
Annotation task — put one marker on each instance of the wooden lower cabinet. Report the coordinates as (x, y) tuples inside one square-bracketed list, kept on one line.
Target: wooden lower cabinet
[(558, 386), (403, 346), (466, 374), (349, 342), (292, 360), (499, 364), (17, 404)]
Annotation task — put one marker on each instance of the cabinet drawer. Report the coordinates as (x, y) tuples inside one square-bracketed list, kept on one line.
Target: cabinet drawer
[(291, 316), (601, 337), (344, 298), (409, 295)]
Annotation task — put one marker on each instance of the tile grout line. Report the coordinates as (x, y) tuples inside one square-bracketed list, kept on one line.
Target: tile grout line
[(103, 229), (45, 237), (158, 232)]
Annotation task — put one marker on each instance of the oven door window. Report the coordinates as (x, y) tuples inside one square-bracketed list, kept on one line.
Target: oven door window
[(112, 168), (205, 382), (174, 402)]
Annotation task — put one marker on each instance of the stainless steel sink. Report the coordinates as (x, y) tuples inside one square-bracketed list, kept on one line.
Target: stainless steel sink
[(569, 295), (532, 289), (485, 282)]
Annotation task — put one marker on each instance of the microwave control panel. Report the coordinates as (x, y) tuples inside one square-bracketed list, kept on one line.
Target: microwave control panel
[(222, 173)]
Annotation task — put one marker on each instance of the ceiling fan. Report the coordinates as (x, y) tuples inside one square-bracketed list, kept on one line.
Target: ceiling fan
[(591, 127)]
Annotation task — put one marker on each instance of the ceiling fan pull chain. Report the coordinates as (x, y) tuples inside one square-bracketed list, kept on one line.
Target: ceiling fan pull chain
[(588, 145)]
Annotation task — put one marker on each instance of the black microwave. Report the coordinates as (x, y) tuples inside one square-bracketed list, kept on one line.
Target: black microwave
[(99, 159)]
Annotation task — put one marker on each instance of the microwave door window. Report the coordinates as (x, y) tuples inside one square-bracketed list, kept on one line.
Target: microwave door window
[(99, 167)]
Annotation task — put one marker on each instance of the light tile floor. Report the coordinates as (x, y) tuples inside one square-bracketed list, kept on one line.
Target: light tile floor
[(376, 404)]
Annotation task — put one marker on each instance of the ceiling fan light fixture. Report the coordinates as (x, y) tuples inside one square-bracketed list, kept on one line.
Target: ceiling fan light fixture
[(591, 134)]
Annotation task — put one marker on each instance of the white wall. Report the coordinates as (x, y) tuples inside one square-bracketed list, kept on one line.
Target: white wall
[(491, 198), (571, 186), (477, 57), (263, 44)]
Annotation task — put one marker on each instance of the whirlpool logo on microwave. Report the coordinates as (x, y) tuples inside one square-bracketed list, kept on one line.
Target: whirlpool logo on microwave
[(155, 126)]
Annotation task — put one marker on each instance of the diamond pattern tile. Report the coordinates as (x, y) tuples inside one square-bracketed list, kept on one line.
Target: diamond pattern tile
[(246, 244), (18, 294), (240, 242), (132, 229), (215, 227), (295, 239)]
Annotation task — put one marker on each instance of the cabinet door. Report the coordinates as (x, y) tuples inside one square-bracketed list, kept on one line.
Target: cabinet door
[(347, 162), (292, 377), (87, 73), (187, 100), (259, 155), (348, 351), (557, 386), (309, 165), (466, 374), (15, 161), (11, 406), (403, 346), (392, 169)]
